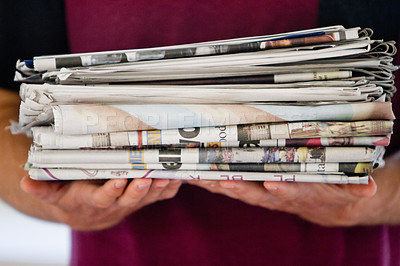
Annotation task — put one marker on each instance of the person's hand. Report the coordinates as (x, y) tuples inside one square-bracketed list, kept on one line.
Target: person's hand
[(324, 204), (91, 205), (84, 205)]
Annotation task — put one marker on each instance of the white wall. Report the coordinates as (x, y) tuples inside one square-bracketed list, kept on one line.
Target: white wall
[(25, 240)]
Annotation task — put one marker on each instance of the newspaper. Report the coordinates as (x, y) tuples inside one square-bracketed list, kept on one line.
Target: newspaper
[(72, 174), (216, 49), (376, 69), (348, 168), (379, 72), (195, 95), (306, 106), (278, 134), (37, 99), (201, 67), (318, 35), (90, 119), (207, 155)]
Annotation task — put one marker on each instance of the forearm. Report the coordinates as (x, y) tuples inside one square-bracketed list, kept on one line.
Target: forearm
[(384, 206), (14, 154), (84, 204)]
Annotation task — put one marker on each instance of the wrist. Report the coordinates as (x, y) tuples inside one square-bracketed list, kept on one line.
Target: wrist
[(384, 207)]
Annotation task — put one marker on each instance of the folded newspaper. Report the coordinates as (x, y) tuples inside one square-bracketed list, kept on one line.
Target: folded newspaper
[(304, 106)]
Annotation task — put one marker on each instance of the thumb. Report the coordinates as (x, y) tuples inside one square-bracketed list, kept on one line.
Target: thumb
[(46, 190), (363, 190)]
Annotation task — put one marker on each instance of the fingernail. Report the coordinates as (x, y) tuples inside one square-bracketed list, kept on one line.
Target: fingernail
[(119, 184), (209, 183), (271, 187), (228, 184), (161, 184), (143, 186)]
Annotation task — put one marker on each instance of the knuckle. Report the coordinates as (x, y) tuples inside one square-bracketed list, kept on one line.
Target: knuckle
[(101, 204), (128, 203), (110, 192), (135, 196)]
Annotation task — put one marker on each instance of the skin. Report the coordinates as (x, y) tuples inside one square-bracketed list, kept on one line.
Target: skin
[(94, 205), (84, 205), (323, 204)]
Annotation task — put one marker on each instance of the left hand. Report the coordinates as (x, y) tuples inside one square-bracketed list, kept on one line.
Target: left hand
[(324, 204)]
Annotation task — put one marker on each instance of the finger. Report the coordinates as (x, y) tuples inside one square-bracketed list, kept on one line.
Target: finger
[(361, 190), (171, 189), (233, 189), (299, 192), (210, 185), (156, 189), (135, 192), (286, 190), (250, 192), (107, 194), (291, 191), (45, 190), (229, 188)]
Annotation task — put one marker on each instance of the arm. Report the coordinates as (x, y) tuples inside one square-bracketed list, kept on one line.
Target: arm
[(84, 205), (325, 204)]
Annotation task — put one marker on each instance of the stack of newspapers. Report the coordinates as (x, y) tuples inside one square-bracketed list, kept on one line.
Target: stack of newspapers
[(307, 106)]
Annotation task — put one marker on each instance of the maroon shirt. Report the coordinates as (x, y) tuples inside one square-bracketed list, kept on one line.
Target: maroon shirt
[(197, 227)]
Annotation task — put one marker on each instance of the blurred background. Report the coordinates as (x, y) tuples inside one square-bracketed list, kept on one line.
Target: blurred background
[(29, 28), (26, 241)]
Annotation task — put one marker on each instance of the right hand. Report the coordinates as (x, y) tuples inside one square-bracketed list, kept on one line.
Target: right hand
[(90, 205)]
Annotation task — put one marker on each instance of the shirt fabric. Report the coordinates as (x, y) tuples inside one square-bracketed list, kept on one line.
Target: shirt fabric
[(198, 227)]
